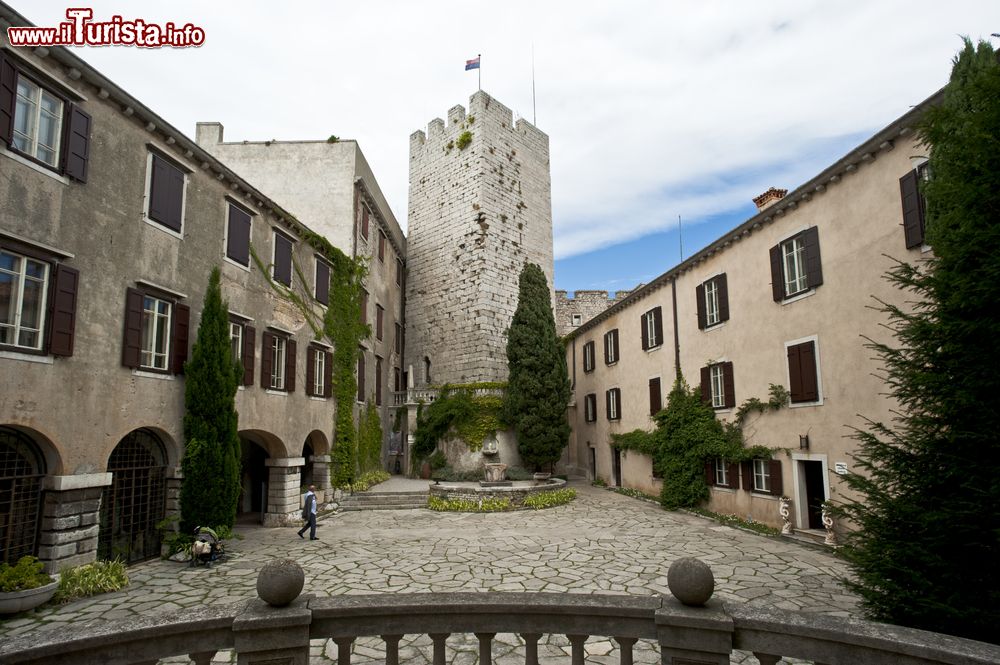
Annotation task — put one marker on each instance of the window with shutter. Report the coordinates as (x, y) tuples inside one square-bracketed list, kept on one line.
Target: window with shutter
[(282, 259), (614, 404), (77, 151), (713, 302), (397, 339), (655, 397), (62, 313), (364, 221), (588, 357), (611, 347), (364, 307), (24, 292), (652, 329), (399, 272), (761, 475), (249, 346), (361, 375), (238, 227), (381, 246), (590, 407), (717, 386), (165, 190), (914, 206), (290, 366), (37, 128), (322, 282), (803, 374), (379, 317), (378, 381), (796, 265)]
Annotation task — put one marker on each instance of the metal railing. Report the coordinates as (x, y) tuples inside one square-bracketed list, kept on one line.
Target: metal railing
[(260, 633)]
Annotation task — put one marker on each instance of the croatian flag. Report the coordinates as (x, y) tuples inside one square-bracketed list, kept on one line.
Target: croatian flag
[(472, 64)]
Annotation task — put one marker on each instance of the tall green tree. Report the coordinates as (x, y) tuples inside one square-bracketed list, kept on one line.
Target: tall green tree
[(927, 551), (211, 464), (538, 388)]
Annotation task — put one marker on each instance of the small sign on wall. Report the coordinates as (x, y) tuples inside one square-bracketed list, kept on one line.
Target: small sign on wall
[(840, 468)]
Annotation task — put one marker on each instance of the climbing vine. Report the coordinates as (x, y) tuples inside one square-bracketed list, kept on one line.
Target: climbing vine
[(687, 435), (340, 325), (370, 440), (457, 409)]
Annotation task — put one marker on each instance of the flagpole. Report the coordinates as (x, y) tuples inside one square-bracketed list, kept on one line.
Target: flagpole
[(479, 71)]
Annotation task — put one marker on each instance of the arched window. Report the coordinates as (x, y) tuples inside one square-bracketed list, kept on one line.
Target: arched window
[(22, 468)]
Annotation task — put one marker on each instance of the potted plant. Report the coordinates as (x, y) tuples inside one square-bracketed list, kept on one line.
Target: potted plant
[(25, 586)]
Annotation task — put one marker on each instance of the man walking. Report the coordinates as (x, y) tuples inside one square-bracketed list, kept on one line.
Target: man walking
[(309, 514)]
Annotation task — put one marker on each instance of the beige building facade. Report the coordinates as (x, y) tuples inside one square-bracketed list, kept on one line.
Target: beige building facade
[(786, 299), (111, 223)]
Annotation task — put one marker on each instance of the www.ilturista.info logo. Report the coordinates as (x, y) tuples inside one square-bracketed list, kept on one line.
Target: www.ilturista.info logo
[(80, 30)]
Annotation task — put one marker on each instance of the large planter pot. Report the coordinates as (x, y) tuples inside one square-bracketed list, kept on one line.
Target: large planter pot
[(12, 602)]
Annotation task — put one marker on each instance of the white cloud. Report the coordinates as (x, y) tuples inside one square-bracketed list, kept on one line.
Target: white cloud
[(651, 107)]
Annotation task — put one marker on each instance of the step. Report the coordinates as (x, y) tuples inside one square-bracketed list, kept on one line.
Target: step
[(400, 506)]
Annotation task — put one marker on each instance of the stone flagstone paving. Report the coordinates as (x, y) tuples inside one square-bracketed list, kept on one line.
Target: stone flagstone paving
[(603, 542)]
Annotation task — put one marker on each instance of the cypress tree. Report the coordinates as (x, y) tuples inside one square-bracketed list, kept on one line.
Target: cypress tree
[(212, 452), (927, 552), (538, 388)]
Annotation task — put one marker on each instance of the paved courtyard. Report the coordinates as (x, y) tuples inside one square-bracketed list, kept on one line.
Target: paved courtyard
[(603, 542)]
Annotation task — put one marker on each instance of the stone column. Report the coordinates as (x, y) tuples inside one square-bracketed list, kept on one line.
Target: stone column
[(321, 478), (174, 477), (71, 517), (268, 635), (283, 496)]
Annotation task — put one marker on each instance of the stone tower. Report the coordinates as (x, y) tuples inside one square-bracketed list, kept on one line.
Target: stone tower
[(480, 208)]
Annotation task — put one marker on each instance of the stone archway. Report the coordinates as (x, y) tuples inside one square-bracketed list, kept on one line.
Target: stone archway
[(252, 503), (135, 502), (22, 468)]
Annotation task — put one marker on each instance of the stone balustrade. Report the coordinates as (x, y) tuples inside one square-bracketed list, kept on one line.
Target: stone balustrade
[(428, 395), (687, 635)]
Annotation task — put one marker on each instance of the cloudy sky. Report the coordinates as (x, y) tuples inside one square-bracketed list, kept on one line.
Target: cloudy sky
[(654, 109)]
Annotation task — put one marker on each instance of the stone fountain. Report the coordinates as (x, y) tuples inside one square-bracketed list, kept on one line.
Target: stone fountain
[(496, 472)]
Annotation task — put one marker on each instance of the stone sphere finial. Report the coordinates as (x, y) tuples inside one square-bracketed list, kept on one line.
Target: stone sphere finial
[(691, 581), (280, 582)]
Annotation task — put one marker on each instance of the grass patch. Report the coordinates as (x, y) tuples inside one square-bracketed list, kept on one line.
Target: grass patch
[(738, 522), (549, 499), (91, 579)]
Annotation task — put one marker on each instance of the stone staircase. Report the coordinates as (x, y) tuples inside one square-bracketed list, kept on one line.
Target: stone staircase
[(384, 501)]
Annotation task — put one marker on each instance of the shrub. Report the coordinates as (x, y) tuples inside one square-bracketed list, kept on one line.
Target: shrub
[(549, 499), (456, 505), (26, 574), (366, 481), (464, 139), (91, 579)]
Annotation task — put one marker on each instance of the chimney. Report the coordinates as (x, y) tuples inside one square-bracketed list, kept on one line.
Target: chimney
[(769, 198), (208, 134)]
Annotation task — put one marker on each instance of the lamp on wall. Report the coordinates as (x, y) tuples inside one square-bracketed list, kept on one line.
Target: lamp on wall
[(804, 441)]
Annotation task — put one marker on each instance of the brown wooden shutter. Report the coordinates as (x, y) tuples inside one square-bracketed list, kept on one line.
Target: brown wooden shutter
[(645, 331), (733, 476), (62, 310), (777, 483), (282, 259), (655, 399), (249, 346), (699, 293), (327, 374), (381, 246), (181, 332), (814, 265), (166, 194), (290, 366), (795, 373), (777, 275), (322, 282), (607, 345), (310, 370), (706, 385), (810, 384), (913, 210), (364, 224), (361, 377), (77, 150), (8, 99), (722, 284), (710, 473), (746, 471), (658, 325), (607, 403), (378, 381), (238, 236), (364, 307), (266, 359), (614, 344), (131, 345), (728, 389), (379, 320)]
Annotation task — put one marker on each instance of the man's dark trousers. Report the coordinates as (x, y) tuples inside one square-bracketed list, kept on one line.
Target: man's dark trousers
[(311, 525)]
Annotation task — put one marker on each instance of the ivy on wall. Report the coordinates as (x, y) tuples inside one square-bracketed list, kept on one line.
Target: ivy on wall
[(687, 435), (341, 326), (370, 440), (457, 409)]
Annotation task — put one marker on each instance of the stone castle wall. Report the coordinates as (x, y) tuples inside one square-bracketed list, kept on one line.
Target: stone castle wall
[(477, 214), (585, 305)]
